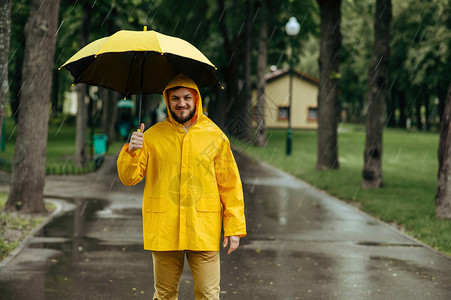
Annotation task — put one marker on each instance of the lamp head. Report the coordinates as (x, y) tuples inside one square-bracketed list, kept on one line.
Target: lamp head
[(293, 27)]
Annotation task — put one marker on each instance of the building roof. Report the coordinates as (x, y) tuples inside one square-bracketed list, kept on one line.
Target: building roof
[(282, 72)]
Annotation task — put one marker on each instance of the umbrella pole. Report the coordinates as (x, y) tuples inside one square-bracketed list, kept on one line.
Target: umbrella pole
[(140, 104), (141, 90)]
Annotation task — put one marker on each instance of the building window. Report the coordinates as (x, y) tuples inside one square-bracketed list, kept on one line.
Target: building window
[(283, 112), (312, 114)]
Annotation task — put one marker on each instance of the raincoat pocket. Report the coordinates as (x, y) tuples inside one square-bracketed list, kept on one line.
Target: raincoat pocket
[(157, 205), (209, 205)]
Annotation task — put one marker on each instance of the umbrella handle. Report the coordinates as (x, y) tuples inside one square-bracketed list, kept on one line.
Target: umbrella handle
[(137, 150)]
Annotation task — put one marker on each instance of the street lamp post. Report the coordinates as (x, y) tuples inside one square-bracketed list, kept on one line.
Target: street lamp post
[(292, 28)]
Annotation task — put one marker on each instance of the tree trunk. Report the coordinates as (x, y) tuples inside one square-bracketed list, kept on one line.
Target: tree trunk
[(216, 107), (262, 62), (229, 71), (418, 103), (81, 154), (427, 124), (327, 156), (237, 111), (5, 33), (17, 88), (361, 109), (443, 195), (377, 79), (441, 94), (248, 67), (152, 102), (402, 109), (110, 98), (235, 125), (391, 108), (54, 97), (109, 112), (28, 170)]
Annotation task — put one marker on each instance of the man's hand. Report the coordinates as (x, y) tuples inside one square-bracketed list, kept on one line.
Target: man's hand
[(234, 243), (137, 140)]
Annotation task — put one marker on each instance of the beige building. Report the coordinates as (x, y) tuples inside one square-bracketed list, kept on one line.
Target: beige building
[(304, 100)]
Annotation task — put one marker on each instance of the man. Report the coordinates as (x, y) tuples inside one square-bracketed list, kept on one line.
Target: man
[(192, 188)]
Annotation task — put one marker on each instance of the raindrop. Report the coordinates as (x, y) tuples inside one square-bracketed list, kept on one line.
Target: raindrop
[(12, 132), (73, 6), (56, 33), (19, 6), (111, 185), (59, 128)]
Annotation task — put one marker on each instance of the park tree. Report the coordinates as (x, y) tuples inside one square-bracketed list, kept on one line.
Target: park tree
[(109, 114), (96, 19), (81, 155), (19, 15), (262, 63), (428, 57), (110, 18), (377, 93), (250, 8), (327, 156), (443, 194), (355, 55), (5, 33), (419, 64), (28, 170), (231, 21), (419, 60), (405, 26), (234, 37), (110, 97)]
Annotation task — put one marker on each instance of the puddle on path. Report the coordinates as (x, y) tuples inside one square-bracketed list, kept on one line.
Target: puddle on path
[(377, 244), (82, 265)]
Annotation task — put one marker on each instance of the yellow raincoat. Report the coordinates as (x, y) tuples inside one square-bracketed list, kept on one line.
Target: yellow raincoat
[(192, 183)]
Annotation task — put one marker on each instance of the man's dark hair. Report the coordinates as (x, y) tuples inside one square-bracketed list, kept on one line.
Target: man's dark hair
[(179, 87), (175, 88)]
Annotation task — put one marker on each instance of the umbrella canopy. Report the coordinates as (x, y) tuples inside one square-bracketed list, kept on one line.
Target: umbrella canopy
[(134, 62)]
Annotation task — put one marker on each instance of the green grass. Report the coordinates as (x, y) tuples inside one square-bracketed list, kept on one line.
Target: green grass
[(15, 227), (60, 148), (409, 172)]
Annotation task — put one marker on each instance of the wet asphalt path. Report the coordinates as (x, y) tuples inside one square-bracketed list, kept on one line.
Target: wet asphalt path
[(301, 244)]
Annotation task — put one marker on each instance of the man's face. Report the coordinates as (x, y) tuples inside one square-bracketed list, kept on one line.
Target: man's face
[(182, 104)]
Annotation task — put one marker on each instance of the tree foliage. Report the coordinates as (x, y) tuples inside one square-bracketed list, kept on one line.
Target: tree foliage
[(419, 64), (419, 50), (357, 29)]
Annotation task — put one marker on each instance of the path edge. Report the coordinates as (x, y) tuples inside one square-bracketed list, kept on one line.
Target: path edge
[(56, 213), (389, 226)]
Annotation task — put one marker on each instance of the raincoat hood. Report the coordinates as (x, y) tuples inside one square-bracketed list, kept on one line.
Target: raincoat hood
[(183, 81)]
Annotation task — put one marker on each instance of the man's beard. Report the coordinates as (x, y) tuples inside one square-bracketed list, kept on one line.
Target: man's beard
[(183, 120)]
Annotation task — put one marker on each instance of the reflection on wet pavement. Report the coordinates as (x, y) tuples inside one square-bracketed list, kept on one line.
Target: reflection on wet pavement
[(92, 258), (304, 244), (301, 244)]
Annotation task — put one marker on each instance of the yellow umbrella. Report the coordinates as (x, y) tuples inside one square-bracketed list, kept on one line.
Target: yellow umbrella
[(139, 62)]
